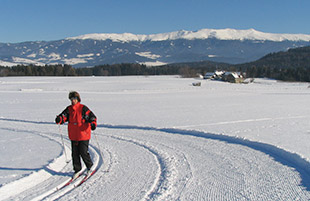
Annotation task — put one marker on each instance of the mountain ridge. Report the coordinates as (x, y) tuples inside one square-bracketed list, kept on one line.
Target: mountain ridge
[(221, 34), (156, 49)]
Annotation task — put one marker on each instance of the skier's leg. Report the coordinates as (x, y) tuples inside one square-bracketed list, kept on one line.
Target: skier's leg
[(83, 148), (76, 156)]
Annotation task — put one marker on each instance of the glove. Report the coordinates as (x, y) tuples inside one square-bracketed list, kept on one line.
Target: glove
[(93, 126), (58, 119)]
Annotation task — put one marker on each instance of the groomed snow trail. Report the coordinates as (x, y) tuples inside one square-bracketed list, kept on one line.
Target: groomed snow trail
[(155, 165), (145, 163)]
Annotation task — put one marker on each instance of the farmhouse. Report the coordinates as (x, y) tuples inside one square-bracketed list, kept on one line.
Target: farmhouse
[(209, 75), (217, 75), (233, 77)]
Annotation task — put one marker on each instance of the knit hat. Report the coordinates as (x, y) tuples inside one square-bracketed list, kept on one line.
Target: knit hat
[(74, 94)]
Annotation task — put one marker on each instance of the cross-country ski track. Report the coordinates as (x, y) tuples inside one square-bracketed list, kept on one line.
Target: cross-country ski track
[(150, 163)]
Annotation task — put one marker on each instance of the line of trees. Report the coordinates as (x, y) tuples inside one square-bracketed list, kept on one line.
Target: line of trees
[(286, 74), (291, 65), (103, 70), (32, 70), (301, 74)]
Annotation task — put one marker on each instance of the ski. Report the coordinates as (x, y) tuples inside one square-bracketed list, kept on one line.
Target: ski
[(69, 182), (86, 177)]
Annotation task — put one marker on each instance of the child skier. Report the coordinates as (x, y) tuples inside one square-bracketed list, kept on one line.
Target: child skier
[(81, 122)]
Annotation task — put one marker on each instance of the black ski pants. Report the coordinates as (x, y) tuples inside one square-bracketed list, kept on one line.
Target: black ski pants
[(80, 149)]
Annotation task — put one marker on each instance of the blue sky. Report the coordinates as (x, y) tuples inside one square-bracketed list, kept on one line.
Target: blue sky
[(34, 20)]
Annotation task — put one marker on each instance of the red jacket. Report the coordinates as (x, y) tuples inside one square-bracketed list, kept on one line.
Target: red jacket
[(79, 118)]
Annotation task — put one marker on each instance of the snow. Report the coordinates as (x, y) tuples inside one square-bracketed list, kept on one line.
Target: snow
[(155, 63), (85, 55), (6, 63), (74, 61), (26, 61), (114, 37), (222, 34), (41, 51), (33, 55), (160, 138), (54, 56), (148, 55)]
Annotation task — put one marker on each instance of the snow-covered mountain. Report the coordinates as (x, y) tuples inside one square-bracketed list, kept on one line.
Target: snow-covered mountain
[(221, 45), (220, 34)]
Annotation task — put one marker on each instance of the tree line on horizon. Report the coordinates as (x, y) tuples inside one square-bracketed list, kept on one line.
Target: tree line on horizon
[(252, 71), (292, 65), (104, 70)]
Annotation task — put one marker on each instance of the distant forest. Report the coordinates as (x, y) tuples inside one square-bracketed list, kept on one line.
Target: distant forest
[(292, 65), (105, 70), (285, 74)]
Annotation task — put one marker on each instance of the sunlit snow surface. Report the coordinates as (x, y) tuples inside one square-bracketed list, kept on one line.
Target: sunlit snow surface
[(161, 139), (222, 34)]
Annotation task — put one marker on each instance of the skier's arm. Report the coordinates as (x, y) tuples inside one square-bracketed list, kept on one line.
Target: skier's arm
[(90, 117), (62, 117)]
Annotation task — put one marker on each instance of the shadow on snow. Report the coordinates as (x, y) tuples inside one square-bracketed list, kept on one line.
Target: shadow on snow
[(52, 172)]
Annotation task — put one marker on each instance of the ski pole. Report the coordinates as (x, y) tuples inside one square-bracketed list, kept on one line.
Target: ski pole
[(63, 144), (98, 145)]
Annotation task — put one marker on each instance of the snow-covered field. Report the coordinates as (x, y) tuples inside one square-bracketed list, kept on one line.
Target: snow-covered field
[(160, 137)]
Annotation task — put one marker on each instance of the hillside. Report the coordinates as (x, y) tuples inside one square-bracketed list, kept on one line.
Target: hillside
[(292, 65), (293, 58), (222, 45)]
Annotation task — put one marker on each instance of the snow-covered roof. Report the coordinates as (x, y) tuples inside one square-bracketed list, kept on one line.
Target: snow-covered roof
[(234, 74), (219, 72)]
